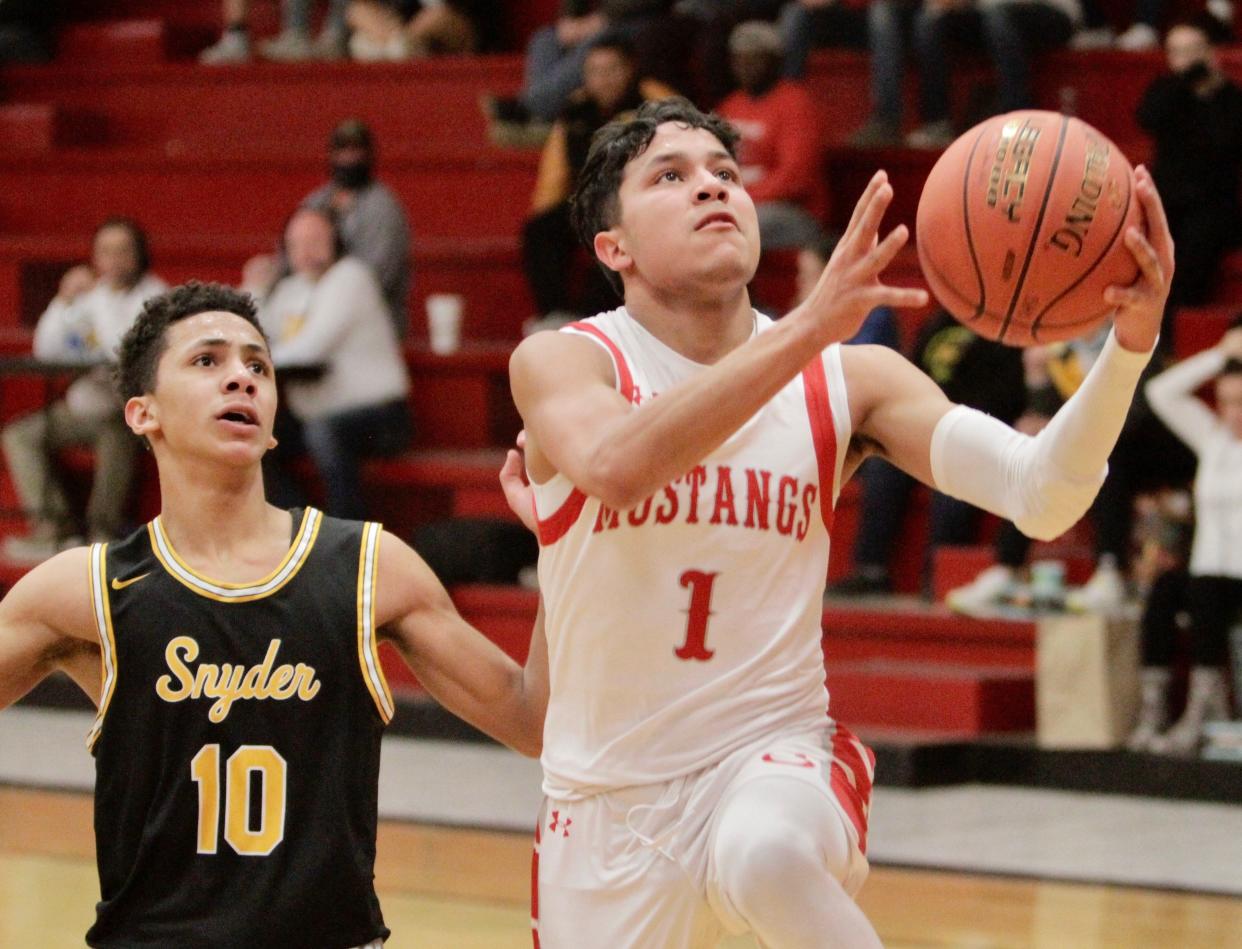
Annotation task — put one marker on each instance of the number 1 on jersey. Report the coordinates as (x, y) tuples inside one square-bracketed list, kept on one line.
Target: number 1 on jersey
[(695, 646)]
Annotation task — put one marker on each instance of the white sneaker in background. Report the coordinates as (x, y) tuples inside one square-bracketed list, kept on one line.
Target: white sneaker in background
[(931, 136), (993, 588), (1139, 38), (233, 47), (1099, 37), (290, 46), (1104, 593)]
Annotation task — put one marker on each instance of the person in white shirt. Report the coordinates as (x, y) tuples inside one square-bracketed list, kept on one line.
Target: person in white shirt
[(329, 311), (93, 308), (1214, 593)]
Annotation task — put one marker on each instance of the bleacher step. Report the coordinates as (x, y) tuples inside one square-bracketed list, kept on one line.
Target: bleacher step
[(951, 698), (34, 129), (113, 42)]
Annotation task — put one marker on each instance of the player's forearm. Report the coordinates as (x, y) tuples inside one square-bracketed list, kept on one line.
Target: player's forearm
[(642, 451), (1046, 483), (20, 671)]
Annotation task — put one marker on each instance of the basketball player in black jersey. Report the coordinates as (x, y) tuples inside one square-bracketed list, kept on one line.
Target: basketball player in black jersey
[(241, 700)]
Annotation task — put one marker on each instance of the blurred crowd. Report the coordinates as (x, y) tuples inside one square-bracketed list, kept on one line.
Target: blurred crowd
[(1166, 530)]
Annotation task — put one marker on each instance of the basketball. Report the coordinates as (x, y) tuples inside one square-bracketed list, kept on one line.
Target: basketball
[(1020, 227)]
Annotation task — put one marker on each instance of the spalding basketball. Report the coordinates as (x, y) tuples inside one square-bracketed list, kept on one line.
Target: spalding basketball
[(1020, 227)]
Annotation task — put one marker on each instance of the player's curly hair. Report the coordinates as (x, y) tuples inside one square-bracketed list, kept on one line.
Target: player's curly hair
[(594, 206), (146, 340)]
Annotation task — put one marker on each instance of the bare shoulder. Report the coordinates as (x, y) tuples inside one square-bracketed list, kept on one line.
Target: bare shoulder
[(404, 582), (551, 355), (876, 375), (55, 595)]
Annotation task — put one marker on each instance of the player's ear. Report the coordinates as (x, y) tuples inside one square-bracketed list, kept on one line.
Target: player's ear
[(611, 251), (142, 415)]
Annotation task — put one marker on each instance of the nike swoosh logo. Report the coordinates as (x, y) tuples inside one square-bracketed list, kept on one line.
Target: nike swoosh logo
[(118, 584)]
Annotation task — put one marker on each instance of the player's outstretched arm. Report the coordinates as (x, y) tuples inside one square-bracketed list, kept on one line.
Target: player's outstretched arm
[(463, 670), (1045, 483), (45, 625), (577, 424)]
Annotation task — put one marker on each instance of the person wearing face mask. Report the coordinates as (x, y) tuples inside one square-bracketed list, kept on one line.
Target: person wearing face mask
[(782, 151), (1194, 115), (372, 222)]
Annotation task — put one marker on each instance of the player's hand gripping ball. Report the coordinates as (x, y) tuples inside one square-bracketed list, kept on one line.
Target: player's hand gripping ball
[(1020, 227)]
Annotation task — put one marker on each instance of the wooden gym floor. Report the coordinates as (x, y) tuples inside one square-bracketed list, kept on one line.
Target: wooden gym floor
[(448, 888)]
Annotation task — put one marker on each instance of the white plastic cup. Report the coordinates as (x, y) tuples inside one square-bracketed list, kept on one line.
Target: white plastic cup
[(444, 315)]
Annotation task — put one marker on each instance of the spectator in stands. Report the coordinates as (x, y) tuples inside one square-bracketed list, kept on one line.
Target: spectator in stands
[(807, 24), (611, 87), (329, 312), (1194, 116), (1147, 457), (394, 30), (712, 25), (781, 153), (372, 221), (1166, 531), (292, 44), (93, 308), (1214, 593), (972, 371), (556, 53), (1009, 31)]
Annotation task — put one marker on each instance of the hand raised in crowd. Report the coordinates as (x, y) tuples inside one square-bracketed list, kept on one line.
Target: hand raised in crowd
[(77, 280), (1231, 343)]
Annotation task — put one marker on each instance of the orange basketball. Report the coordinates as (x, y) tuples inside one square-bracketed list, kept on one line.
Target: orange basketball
[(1020, 227)]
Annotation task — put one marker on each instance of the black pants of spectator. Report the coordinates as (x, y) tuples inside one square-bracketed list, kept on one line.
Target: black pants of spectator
[(548, 248), (336, 444), (1214, 605), (1201, 236), (1147, 457), (885, 500)]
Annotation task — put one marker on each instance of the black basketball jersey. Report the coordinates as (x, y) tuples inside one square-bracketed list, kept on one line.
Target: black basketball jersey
[(237, 745)]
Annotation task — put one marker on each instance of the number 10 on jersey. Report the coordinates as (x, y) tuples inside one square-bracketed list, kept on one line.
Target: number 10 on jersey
[(240, 831)]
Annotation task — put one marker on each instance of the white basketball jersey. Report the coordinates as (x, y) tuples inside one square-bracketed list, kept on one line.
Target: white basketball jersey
[(690, 626)]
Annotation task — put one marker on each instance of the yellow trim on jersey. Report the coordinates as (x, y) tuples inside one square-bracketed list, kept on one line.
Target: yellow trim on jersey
[(101, 609), (299, 550), (368, 641)]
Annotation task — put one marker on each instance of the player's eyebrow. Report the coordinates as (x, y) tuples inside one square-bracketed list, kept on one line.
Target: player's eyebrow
[(681, 158), (214, 342)]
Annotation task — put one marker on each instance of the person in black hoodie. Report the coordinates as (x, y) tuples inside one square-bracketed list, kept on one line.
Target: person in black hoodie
[(1194, 116)]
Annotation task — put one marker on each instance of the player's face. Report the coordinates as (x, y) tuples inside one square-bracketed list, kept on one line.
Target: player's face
[(684, 215), (1229, 402), (215, 392), (115, 257)]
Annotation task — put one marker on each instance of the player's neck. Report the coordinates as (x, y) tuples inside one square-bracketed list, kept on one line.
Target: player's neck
[(209, 512), (703, 329)]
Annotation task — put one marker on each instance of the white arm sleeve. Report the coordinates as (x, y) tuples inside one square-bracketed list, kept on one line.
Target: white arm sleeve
[(1046, 483)]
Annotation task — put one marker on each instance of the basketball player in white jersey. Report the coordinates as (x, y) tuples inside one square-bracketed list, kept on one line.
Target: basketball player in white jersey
[(685, 454)]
